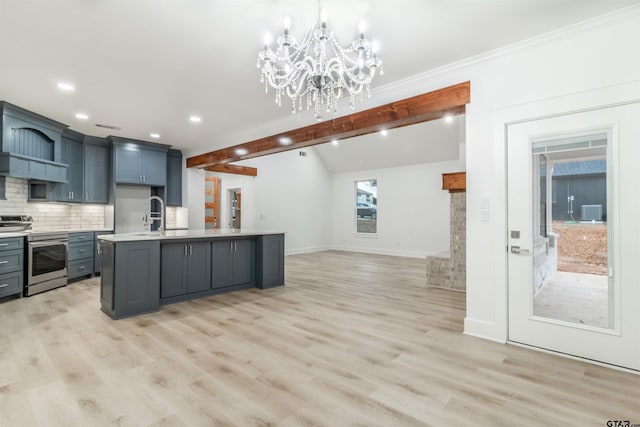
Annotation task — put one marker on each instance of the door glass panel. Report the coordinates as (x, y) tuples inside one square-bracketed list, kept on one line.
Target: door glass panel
[(571, 240)]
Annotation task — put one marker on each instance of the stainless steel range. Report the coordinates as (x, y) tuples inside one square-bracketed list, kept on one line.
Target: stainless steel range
[(9, 223), (47, 253)]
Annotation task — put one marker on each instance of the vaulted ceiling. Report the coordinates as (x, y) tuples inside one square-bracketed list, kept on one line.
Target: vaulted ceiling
[(146, 66)]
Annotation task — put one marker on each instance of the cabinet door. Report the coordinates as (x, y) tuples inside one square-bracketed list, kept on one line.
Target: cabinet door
[(137, 278), (174, 180), (71, 154), (270, 261), (199, 267), (221, 269), (96, 173), (173, 279), (154, 168), (128, 167), (242, 261)]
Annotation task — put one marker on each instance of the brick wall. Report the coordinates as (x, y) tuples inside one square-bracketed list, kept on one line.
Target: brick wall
[(450, 272)]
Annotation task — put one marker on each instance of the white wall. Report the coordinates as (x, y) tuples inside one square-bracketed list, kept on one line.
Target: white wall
[(413, 211), (292, 193)]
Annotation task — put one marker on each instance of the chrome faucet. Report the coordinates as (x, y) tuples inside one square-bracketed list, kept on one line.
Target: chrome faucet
[(150, 216)]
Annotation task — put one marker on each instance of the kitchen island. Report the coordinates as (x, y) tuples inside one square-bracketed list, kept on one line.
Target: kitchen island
[(142, 271)]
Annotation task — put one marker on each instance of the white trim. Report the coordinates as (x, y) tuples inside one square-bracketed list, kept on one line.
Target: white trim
[(307, 250), (580, 359), (377, 251), (482, 329)]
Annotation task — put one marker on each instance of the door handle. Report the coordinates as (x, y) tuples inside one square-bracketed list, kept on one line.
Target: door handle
[(518, 250)]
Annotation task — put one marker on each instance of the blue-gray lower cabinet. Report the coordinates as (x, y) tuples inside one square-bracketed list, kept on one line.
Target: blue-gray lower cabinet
[(80, 255), (270, 261), (233, 263), (186, 268), (130, 279), (97, 257), (11, 266)]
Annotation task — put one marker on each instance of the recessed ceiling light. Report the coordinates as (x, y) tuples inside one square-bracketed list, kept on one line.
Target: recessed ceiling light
[(82, 116), (241, 151), (67, 87), (154, 135), (448, 118), (284, 140), (334, 142), (384, 132), (195, 119)]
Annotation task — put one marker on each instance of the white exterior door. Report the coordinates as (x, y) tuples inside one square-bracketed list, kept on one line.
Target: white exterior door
[(608, 136)]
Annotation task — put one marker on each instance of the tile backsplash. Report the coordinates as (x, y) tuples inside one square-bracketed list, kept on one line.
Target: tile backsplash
[(63, 215), (49, 215)]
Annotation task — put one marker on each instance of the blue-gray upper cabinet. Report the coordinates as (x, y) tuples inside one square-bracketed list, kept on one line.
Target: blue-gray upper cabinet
[(186, 268), (139, 162), (96, 170), (72, 154), (174, 178), (233, 262)]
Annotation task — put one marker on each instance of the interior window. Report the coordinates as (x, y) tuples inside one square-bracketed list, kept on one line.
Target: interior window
[(367, 206)]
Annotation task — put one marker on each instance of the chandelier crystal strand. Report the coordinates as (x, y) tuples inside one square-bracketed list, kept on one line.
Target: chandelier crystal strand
[(318, 68)]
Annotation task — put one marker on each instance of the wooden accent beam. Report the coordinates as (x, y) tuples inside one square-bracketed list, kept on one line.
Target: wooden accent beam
[(455, 182), (421, 108), (235, 169)]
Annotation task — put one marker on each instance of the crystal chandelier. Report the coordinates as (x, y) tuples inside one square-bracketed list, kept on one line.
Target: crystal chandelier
[(318, 72)]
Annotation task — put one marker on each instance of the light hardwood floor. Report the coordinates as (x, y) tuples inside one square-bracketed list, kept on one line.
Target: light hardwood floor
[(352, 339)]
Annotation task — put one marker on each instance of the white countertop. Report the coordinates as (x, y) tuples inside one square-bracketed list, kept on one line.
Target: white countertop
[(13, 234), (186, 234), (68, 230)]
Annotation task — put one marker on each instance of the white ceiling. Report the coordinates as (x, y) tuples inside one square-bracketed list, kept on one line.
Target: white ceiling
[(147, 65), (434, 141)]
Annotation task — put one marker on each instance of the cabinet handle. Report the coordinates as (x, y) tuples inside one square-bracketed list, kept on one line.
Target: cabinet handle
[(144, 178), (185, 250), (81, 250), (190, 250), (99, 249), (4, 244), (4, 285), (140, 178), (81, 268), (72, 196), (3, 262), (235, 246)]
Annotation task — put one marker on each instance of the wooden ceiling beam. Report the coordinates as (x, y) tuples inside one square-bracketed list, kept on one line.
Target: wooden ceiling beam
[(421, 108), (234, 169)]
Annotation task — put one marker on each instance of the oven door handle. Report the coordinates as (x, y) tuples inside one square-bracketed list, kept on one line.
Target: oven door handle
[(48, 243)]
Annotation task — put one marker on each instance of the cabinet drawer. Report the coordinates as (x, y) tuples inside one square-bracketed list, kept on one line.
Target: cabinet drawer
[(11, 261), (11, 244), (81, 237), (81, 250), (79, 268), (11, 283)]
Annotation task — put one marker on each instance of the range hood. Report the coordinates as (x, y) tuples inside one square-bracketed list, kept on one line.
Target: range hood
[(30, 145)]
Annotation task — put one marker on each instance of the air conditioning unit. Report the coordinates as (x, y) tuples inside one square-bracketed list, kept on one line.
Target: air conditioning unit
[(591, 213)]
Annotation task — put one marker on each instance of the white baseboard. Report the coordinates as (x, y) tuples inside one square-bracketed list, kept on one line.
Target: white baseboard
[(306, 250), (482, 329), (377, 251)]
